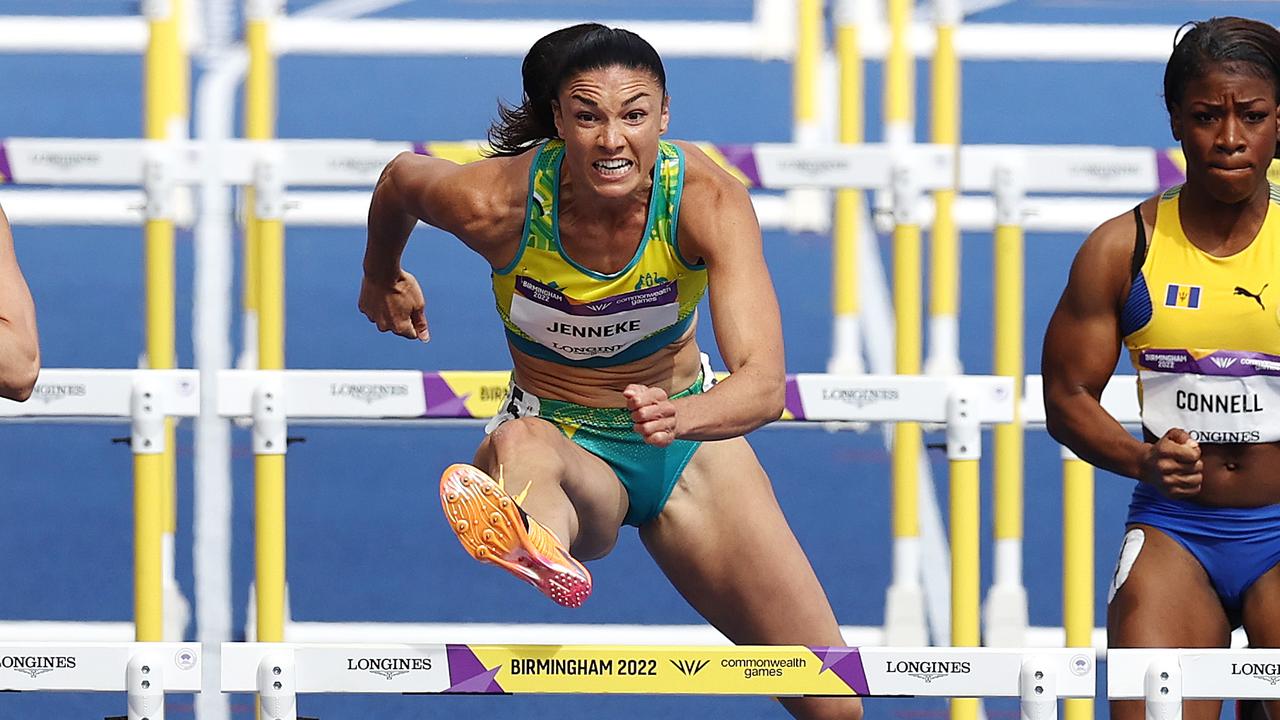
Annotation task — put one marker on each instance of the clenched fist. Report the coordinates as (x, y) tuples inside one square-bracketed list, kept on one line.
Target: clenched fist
[(397, 307), (653, 413), (1173, 465)]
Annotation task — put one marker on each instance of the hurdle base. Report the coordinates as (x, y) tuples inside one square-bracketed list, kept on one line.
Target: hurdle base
[(1004, 616), (904, 617)]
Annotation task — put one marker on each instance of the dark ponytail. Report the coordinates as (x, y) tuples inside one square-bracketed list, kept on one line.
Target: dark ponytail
[(1239, 44), (552, 60)]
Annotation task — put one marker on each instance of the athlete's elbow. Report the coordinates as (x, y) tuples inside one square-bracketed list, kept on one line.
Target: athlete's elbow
[(392, 177), (19, 382), (1055, 427), (773, 401), (1058, 420)]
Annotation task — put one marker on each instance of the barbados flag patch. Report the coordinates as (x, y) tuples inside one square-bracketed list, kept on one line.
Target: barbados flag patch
[(1186, 297)]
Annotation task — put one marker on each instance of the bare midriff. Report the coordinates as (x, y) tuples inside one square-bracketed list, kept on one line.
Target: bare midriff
[(1242, 475), (674, 368)]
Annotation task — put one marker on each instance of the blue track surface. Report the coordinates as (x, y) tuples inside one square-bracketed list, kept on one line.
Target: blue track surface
[(366, 541)]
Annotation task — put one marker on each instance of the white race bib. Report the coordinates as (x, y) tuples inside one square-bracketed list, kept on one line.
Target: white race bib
[(600, 328), (1224, 397)]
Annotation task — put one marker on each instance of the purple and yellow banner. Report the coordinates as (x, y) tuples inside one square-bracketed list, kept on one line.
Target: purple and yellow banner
[(773, 670), (656, 670), (464, 393)]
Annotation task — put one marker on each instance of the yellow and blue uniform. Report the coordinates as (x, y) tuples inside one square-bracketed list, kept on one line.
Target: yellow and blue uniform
[(556, 309), (1203, 332)]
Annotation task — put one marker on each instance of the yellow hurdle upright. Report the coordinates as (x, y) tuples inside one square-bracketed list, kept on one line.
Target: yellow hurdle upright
[(265, 225), (1007, 605), (907, 265), (966, 513), (944, 246), (964, 450), (899, 77), (805, 73), (1077, 566), (165, 92), (846, 335)]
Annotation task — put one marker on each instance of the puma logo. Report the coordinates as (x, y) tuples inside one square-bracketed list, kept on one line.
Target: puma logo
[(1257, 297)]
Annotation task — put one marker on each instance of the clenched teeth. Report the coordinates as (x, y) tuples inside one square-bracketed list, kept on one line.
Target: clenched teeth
[(612, 167)]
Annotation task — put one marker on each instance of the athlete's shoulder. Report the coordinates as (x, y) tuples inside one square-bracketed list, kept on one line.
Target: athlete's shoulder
[(705, 178), (483, 176), (502, 173), (1118, 236), (481, 202)]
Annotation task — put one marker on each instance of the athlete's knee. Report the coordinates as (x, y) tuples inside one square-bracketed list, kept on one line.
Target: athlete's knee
[(521, 436)]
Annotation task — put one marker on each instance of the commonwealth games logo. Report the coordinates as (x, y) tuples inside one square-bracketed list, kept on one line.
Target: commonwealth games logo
[(690, 667)]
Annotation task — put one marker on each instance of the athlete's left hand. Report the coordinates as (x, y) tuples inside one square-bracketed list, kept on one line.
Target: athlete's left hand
[(653, 413)]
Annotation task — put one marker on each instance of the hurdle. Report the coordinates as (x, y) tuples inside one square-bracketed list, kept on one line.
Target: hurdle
[(145, 398), (1120, 400), (144, 671), (276, 399), (160, 35), (1165, 677), (279, 672)]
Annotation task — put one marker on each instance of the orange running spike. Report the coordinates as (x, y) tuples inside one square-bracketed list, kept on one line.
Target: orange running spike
[(489, 525)]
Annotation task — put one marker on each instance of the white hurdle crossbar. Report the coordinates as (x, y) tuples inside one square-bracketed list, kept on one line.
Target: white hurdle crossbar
[(108, 394), (288, 173), (145, 672), (1166, 677), (1098, 181), (279, 672)]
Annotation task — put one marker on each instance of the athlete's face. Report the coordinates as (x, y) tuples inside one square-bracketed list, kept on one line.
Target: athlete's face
[(1227, 122), (611, 120)]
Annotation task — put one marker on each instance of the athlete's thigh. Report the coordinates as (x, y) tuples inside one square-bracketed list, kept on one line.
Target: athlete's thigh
[(725, 545), (1261, 612), (564, 486), (1166, 600)]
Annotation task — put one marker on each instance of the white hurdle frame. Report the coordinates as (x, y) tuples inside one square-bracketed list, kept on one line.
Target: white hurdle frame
[(964, 404), (1165, 677), (279, 672), (141, 397), (145, 672)]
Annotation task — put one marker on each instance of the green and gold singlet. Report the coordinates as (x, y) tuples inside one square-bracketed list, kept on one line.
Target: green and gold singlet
[(556, 309)]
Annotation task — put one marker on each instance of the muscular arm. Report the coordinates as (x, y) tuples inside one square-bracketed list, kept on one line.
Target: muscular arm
[(481, 203), (1081, 347), (718, 224), (19, 345), (471, 201)]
